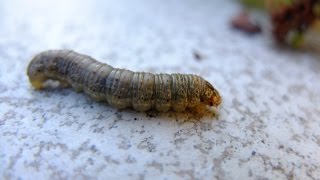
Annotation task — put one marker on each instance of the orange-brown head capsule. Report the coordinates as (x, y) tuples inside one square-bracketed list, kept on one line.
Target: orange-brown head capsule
[(211, 96)]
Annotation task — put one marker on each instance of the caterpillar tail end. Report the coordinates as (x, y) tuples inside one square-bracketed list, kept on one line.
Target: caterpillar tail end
[(37, 84), (36, 72)]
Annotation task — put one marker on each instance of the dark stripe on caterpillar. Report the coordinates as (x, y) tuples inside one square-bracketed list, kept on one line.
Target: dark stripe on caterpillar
[(122, 88)]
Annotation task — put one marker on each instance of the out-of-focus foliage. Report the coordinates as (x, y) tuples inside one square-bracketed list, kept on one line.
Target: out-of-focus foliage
[(254, 3), (267, 4), (292, 20)]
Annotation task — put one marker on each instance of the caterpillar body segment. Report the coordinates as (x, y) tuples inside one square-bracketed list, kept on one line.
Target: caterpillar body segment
[(122, 88)]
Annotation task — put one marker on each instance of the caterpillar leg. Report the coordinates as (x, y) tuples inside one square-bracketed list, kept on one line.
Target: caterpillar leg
[(37, 84), (202, 110), (43, 83), (64, 84), (198, 110)]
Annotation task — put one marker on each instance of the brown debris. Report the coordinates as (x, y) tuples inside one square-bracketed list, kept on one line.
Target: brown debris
[(243, 23)]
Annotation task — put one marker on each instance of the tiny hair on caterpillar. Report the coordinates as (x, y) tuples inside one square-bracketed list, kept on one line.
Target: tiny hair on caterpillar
[(122, 88)]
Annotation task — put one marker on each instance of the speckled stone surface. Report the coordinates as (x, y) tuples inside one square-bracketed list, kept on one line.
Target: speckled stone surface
[(267, 128)]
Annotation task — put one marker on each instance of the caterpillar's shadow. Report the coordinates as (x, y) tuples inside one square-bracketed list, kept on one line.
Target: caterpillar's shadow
[(185, 116)]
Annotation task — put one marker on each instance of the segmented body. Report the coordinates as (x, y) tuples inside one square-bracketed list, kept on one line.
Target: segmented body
[(122, 88)]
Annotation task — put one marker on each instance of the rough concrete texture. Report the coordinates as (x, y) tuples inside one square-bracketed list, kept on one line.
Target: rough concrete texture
[(267, 127)]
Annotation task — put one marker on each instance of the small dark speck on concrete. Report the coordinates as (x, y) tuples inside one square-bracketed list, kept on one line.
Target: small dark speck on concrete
[(197, 56), (253, 153), (91, 106), (90, 161), (135, 119), (93, 148)]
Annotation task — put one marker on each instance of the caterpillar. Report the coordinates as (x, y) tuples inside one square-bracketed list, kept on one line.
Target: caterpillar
[(122, 88)]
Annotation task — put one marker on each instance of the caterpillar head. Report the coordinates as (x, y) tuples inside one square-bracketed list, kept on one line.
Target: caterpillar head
[(211, 96)]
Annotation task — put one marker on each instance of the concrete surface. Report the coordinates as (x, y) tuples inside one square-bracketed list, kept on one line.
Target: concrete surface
[(267, 127)]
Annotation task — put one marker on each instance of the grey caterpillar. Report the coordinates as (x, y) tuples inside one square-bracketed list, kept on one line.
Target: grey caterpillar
[(122, 88)]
